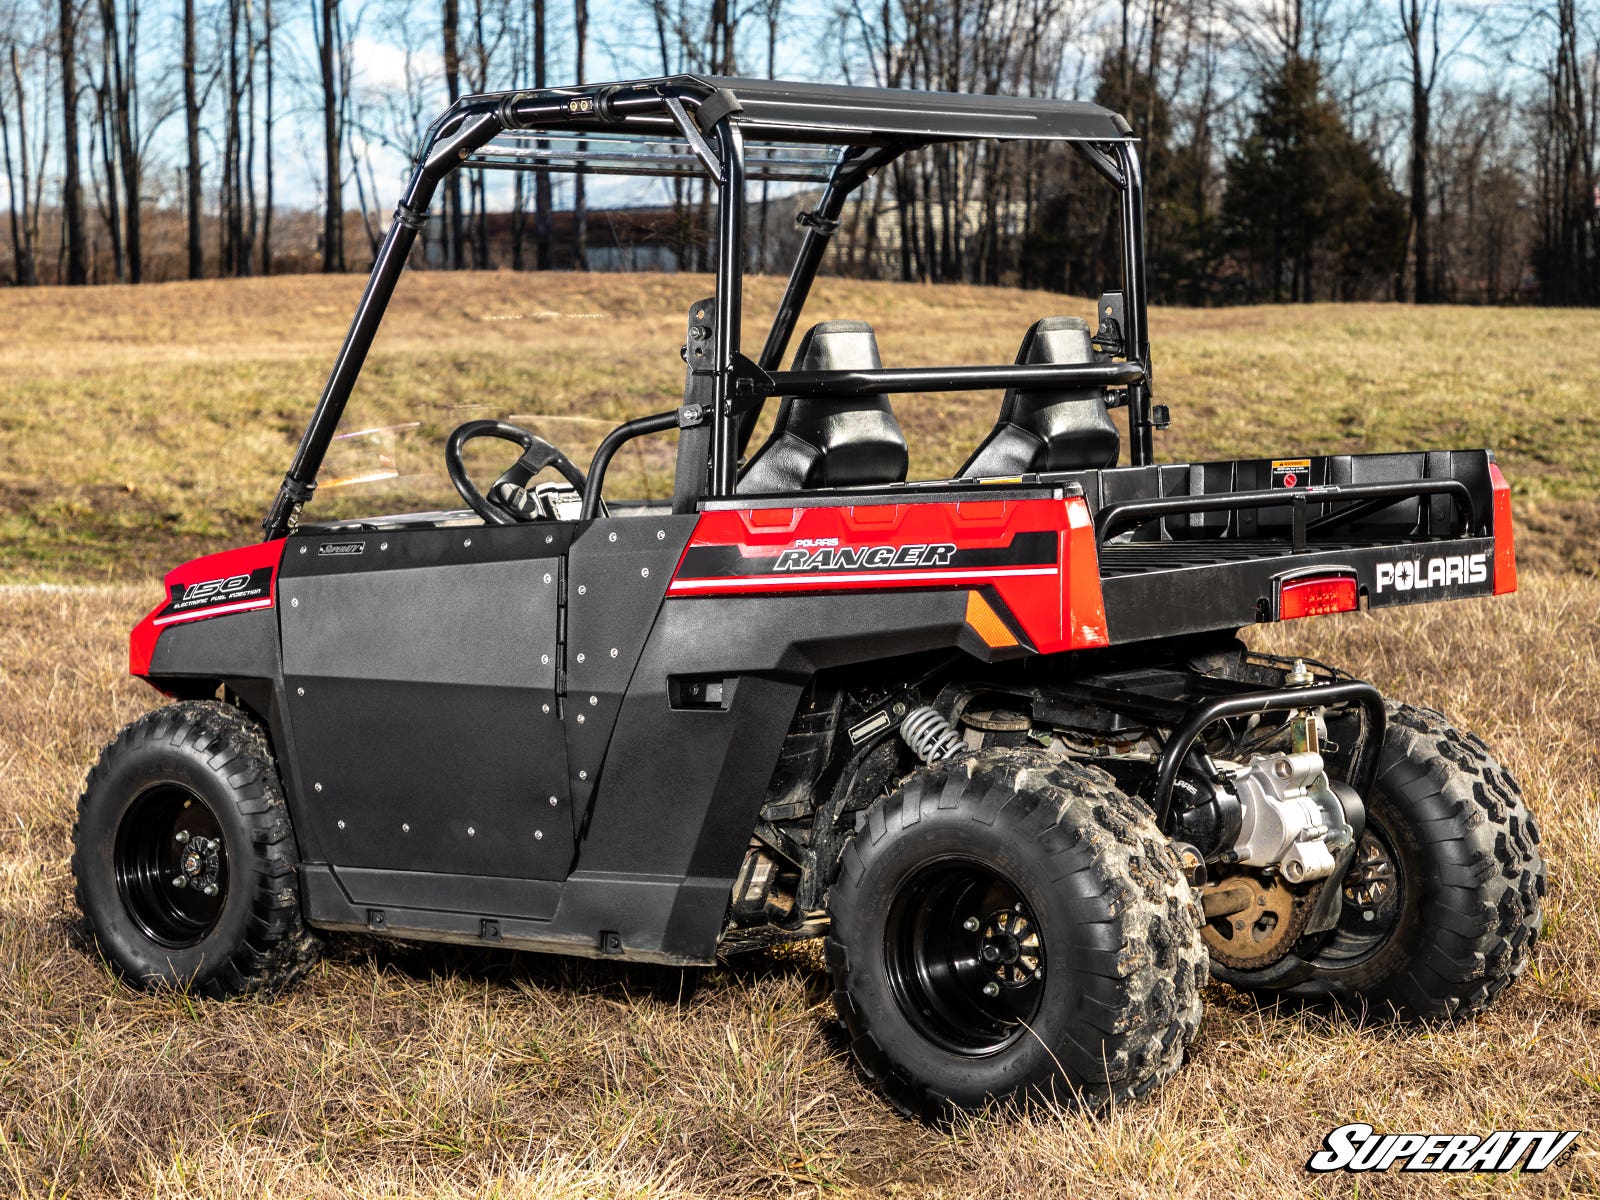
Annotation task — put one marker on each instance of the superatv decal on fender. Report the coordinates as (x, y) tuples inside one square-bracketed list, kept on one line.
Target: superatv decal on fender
[(1037, 556)]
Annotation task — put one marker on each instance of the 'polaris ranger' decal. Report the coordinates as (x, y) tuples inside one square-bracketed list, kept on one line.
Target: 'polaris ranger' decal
[(1442, 570), (1032, 553), (854, 558), (1038, 556)]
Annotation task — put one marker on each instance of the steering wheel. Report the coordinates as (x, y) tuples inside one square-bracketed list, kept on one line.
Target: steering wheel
[(509, 501)]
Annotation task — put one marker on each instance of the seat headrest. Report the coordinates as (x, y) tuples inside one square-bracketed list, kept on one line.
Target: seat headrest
[(1057, 340), (838, 346)]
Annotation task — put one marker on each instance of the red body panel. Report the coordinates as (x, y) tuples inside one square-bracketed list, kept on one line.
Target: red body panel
[(1505, 552), (241, 580), (1038, 556)]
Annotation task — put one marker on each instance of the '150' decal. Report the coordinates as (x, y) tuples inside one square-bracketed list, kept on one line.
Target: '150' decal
[(210, 597)]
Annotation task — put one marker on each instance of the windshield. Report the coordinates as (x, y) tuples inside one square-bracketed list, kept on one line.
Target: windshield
[(399, 467)]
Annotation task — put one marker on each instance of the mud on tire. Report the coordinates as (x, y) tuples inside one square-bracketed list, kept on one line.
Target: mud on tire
[(191, 790), (1449, 823), (1089, 890)]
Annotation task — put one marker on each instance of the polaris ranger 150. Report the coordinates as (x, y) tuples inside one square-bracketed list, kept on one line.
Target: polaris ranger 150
[(993, 737)]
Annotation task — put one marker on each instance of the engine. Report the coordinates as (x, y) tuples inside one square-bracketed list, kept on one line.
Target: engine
[(1278, 812), (1270, 830)]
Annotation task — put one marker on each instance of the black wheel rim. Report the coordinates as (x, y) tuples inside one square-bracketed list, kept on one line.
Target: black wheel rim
[(1375, 894), (171, 866), (965, 956)]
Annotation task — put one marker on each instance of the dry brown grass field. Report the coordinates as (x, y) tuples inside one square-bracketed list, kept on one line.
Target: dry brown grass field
[(141, 426)]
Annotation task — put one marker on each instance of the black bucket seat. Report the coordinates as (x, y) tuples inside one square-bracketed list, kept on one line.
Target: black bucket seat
[(1063, 429), (817, 442)]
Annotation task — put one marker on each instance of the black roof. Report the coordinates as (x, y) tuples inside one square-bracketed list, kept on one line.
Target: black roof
[(816, 113), (782, 109)]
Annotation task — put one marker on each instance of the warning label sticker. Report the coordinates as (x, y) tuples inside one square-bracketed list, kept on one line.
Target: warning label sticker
[(1291, 472)]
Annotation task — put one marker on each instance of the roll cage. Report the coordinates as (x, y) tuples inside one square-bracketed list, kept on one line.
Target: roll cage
[(696, 126)]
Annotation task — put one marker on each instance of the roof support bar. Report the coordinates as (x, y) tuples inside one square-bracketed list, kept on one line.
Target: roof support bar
[(1136, 336), (697, 140), (853, 167), (730, 299)]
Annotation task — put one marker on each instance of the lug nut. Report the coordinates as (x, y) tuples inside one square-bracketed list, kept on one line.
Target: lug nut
[(181, 836), (970, 924), (210, 889), (991, 989), (179, 882)]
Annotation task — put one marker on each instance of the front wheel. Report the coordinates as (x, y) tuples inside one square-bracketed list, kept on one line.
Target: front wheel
[(1442, 902), (1011, 925), (183, 857)]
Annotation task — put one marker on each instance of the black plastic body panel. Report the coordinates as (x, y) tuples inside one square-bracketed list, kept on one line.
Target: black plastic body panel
[(681, 788), (236, 646), (617, 574), (420, 678)]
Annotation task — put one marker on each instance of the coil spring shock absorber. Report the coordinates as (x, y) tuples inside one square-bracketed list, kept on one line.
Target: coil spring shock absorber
[(930, 736)]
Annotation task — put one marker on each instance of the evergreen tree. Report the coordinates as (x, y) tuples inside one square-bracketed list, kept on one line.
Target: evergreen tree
[(1310, 212)]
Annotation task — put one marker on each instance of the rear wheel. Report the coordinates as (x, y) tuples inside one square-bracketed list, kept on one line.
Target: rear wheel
[(183, 856), (1442, 903), (1012, 925)]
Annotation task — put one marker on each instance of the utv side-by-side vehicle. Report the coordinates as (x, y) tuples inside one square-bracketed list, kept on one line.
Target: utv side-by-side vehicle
[(993, 737)]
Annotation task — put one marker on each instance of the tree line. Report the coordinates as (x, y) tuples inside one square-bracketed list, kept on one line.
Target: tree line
[(1294, 150)]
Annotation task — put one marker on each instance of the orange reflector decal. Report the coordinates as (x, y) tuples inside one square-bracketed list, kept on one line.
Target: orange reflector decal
[(1317, 595), (986, 623)]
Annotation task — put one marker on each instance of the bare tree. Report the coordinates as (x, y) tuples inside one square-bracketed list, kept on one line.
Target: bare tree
[(542, 205), (580, 209), (267, 31), (1426, 55), (122, 54), (71, 178), (191, 118), (25, 148), (454, 248), (327, 14)]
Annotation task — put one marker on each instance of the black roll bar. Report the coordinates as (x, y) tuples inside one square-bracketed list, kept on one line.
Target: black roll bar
[(1363, 770), (1130, 513), (607, 449), (474, 121), (730, 305), (409, 218), (1025, 376), (1136, 336)]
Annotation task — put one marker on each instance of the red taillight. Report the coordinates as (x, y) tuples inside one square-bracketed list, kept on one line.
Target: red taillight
[(1317, 595)]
